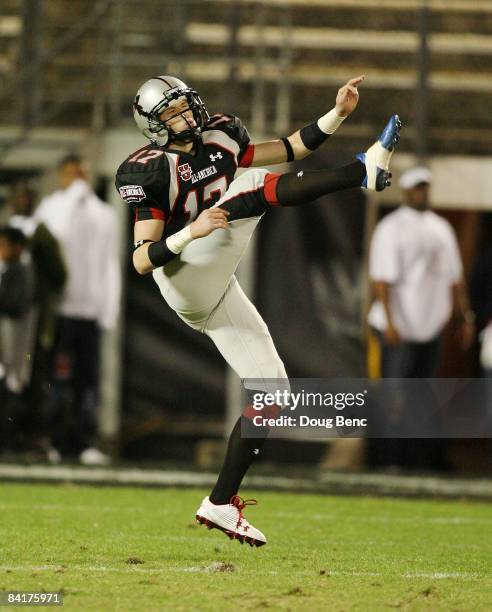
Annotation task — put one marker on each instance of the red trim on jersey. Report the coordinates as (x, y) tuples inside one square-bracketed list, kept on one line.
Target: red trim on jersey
[(158, 214), (155, 212), (247, 156), (270, 188)]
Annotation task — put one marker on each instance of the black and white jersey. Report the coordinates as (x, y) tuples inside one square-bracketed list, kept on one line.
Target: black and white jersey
[(162, 183)]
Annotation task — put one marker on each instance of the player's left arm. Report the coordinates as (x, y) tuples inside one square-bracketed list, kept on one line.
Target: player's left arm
[(304, 141)]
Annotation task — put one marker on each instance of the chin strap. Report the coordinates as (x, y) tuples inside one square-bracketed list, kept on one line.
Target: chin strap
[(194, 134)]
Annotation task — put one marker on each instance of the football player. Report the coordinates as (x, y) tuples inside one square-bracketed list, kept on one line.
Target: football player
[(193, 222)]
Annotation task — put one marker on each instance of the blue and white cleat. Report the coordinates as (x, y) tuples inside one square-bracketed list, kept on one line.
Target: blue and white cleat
[(377, 158)]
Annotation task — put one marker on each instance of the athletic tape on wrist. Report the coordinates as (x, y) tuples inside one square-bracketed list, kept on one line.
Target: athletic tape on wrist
[(330, 122), (177, 242)]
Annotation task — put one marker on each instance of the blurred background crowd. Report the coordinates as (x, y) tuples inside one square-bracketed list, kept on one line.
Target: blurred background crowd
[(397, 284)]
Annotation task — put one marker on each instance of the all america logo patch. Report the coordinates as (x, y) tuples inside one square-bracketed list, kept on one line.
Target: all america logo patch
[(132, 193), (185, 172)]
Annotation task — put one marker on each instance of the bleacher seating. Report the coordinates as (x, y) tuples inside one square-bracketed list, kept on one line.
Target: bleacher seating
[(288, 58)]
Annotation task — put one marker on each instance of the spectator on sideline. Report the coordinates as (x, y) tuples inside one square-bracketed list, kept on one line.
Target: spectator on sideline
[(49, 280), (16, 327), (87, 230), (417, 280)]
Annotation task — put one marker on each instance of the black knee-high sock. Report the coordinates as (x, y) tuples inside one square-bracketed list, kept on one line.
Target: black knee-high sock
[(240, 454), (293, 189)]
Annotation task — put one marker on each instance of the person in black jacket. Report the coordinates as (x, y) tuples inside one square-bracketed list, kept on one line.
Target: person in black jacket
[(50, 276), (16, 324), (15, 279)]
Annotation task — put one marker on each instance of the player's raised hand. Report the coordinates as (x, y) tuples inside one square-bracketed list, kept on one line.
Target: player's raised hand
[(348, 96), (208, 221)]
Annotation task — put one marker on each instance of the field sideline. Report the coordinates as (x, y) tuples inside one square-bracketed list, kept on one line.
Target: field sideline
[(139, 549)]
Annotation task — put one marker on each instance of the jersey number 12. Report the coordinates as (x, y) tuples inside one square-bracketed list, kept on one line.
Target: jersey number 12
[(217, 187)]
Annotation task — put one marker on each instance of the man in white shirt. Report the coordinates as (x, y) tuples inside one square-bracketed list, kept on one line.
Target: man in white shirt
[(417, 281), (87, 230)]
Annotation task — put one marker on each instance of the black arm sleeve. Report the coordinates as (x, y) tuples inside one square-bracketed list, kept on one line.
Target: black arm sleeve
[(159, 254), (312, 136)]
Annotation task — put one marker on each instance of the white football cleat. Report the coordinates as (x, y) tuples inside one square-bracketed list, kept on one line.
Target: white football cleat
[(229, 519), (376, 159)]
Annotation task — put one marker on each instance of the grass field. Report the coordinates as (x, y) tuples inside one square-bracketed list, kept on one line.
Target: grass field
[(139, 549)]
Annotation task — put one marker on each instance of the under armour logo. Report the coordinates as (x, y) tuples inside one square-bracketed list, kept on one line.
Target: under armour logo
[(217, 156), (300, 174), (256, 451)]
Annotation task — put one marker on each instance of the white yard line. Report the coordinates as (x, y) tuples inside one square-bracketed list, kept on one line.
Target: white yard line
[(205, 569)]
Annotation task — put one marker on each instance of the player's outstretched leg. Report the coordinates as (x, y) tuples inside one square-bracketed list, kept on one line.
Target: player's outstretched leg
[(370, 170), (229, 519), (255, 191)]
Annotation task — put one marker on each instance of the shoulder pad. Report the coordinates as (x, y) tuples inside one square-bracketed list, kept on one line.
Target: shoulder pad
[(143, 178), (232, 126), (148, 159)]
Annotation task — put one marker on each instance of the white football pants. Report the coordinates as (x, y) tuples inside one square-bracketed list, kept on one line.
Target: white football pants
[(201, 288)]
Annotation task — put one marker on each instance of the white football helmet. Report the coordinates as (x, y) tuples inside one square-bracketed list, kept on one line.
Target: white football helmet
[(157, 94)]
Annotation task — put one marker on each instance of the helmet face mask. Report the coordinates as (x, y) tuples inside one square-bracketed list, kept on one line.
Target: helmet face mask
[(160, 93)]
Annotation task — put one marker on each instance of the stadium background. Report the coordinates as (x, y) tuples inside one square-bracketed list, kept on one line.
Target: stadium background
[(68, 79)]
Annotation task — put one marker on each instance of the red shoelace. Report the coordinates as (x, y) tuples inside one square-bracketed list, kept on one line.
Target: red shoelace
[(240, 503)]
